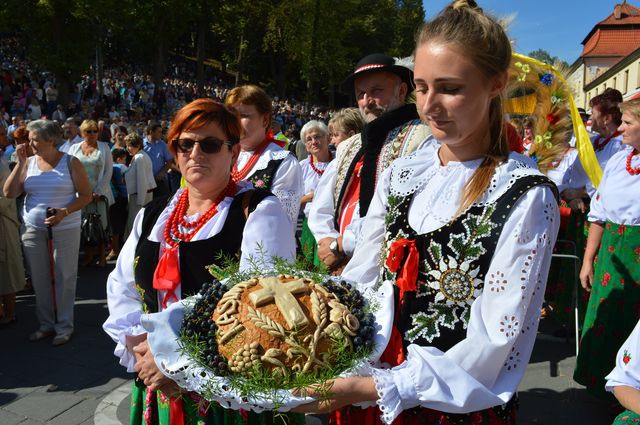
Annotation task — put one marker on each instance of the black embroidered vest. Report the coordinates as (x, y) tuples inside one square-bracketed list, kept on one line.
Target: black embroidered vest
[(454, 261), (194, 256), (263, 179)]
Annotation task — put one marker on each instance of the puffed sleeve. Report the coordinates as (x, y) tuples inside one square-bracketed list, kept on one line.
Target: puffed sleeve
[(627, 370), (288, 187), (364, 266), (125, 304), (597, 211), (485, 368), (321, 222), (268, 233)]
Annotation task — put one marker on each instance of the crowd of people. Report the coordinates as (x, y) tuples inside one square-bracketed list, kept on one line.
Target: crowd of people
[(426, 191)]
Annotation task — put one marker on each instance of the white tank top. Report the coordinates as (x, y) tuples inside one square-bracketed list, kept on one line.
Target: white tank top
[(44, 189)]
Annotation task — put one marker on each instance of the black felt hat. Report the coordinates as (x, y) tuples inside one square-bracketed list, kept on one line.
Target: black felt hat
[(379, 62)]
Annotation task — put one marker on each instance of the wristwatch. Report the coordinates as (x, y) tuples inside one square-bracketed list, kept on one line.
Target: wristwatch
[(334, 248)]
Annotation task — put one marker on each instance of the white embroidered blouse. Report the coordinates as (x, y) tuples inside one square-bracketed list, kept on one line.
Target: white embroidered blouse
[(267, 233), (287, 183), (485, 368), (579, 177), (311, 178), (616, 199)]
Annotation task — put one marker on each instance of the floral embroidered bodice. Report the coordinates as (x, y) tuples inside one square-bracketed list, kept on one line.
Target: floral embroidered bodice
[(452, 267)]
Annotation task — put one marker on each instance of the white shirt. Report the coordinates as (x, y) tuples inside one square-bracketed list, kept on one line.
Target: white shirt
[(321, 215), (627, 370), (616, 199), (287, 181), (485, 368), (579, 178), (310, 178), (561, 173), (139, 177), (267, 231), (68, 143)]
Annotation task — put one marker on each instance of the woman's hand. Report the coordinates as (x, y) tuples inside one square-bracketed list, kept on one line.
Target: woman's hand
[(586, 275), (21, 154), (150, 374), (60, 214), (342, 392)]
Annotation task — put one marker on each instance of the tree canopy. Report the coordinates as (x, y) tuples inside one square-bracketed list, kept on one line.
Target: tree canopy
[(302, 48)]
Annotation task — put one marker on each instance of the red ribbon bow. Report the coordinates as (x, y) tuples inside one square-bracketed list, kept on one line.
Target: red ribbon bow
[(167, 274), (408, 276)]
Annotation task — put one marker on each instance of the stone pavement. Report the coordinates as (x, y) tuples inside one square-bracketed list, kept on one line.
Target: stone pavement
[(82, 383)]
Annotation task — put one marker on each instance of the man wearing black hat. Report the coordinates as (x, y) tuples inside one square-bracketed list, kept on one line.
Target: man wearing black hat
[(392, 129)]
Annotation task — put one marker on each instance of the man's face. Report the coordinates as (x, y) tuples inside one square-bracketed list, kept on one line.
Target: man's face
[(379, 92), (70, 130), (156, 134)]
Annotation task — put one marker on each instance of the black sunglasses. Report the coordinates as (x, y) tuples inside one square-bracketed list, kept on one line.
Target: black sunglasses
[(208, 145), (91, 131)]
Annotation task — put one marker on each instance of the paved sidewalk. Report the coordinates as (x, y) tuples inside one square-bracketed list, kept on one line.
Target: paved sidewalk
[(82, 383)]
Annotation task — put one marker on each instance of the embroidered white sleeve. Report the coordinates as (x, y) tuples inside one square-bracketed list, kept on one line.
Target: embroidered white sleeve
[(321, 221), (267, 234), (627, 370), (125, 305), (288, 187), (480, 372)]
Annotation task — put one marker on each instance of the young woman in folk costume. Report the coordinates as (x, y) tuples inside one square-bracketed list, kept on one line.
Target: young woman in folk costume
[(466, 234), (613, 276), (262, 161), (173, 242)]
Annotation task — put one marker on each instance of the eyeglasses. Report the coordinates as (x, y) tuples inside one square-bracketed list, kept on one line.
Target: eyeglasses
[(208, 145), (91, 131)]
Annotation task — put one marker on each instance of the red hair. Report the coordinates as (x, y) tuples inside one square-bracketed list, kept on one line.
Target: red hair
[(201, 112)]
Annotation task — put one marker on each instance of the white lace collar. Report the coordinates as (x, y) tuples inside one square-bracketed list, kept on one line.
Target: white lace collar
[(412, 172), (273, 151)]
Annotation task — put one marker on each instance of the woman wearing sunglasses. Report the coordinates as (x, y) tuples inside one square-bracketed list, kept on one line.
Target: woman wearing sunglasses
[(261, 160), (174, 240), (97, 160)]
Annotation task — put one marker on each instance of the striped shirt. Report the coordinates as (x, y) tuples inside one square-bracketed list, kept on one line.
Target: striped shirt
[(44, 189)]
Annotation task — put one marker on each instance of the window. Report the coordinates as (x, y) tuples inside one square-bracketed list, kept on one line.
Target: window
[(625, 82)]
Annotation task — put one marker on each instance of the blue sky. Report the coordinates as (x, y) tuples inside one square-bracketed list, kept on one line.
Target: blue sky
[(557, 26)]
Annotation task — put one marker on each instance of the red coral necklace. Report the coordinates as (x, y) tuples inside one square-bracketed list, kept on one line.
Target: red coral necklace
[(238, 175), (633, 171), (314, 168), (172, 234)]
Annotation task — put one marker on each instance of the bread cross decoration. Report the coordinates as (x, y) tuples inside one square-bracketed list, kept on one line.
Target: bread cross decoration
[(283, 295)]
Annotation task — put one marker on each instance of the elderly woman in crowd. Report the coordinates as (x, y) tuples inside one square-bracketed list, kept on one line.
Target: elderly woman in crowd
[(56, 188), (315, 136), (614, 235), (174, 240), (98, 162)]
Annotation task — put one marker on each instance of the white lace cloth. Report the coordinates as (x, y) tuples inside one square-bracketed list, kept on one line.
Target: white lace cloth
[(287, 183), (484, 369), (163, 330)]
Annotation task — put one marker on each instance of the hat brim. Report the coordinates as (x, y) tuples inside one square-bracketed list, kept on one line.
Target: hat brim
[(403, 72)]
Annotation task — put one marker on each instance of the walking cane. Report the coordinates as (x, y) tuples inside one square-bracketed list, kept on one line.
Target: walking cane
[(50, 213)]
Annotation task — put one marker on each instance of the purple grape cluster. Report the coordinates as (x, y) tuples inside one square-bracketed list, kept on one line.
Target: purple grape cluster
[(198, 327)]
